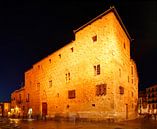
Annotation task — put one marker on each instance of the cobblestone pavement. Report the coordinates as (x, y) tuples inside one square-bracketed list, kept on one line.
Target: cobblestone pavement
[(49, 124)]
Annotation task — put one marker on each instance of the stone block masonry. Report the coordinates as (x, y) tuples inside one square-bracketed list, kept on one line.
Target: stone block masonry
[(92, 77)]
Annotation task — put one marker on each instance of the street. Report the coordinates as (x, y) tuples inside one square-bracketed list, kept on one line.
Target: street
[(49, 124)]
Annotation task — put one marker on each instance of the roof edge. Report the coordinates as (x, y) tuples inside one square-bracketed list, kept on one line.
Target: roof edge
[(113, 9)]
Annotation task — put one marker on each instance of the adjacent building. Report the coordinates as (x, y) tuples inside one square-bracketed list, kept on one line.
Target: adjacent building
[(152, 99), (142, 102), (92, 77), (4, 109)]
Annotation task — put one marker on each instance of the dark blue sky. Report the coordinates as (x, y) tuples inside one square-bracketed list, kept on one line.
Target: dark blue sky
[(30, 31)]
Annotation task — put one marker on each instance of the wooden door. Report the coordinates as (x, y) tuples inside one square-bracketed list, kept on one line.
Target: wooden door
[(44, 108)]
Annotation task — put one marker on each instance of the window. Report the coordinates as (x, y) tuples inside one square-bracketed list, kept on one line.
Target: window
[(58, 95), (101, 89), (71, 94), (132, 70), (28, 97), (67, 77), (49, 60), (153, 106), (149, 106), (50, 83), (94, 38), (93, 105), (97, 69), (38, 66), (128, 79), (59, 55), (119, 72), (132, 81), (72, 49), (68, 106), (121, 90), (38, 85), (132, 94)]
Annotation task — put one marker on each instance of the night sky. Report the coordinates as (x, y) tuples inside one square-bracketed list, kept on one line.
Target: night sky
[(31, 31)]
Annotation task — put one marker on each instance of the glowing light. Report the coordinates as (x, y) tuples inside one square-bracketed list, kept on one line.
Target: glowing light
[(9, 113), (16, 108), (12, 110)]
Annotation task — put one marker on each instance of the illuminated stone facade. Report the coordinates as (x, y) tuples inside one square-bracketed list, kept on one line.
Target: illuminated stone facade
[(93, 77)]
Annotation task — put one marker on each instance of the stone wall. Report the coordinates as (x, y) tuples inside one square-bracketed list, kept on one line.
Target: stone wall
[(92, 77)]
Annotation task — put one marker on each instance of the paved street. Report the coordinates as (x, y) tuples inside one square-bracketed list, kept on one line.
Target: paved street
[(33, 124)]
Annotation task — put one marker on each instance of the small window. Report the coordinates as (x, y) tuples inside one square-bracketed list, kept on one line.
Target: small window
[(59, 55), (93, 105), (72, 49), (100, 89), (132, 94), (149, 106), (94, 38), (58, 95), (97, 69), (71, 94), (128, 79), (132, 81), (49, 60), (67, 77), (132, 70), (28, 97), (38, 66), (68, 106), (50, 83), (121, 90), (38, 85)]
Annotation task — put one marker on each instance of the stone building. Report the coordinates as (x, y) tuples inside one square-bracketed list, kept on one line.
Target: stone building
[(4, 109), (152, 99), (18, 102), (142, 102), (93, 77)]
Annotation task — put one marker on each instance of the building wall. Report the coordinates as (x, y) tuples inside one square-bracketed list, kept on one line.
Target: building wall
[(18, 103), (76, 67), (4, 109), (152, 99)]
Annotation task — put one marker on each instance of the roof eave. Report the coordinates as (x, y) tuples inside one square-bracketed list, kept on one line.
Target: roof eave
[(104, 13)]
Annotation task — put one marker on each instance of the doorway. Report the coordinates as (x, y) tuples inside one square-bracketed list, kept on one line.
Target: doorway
[(126, 111), (44, 108)]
